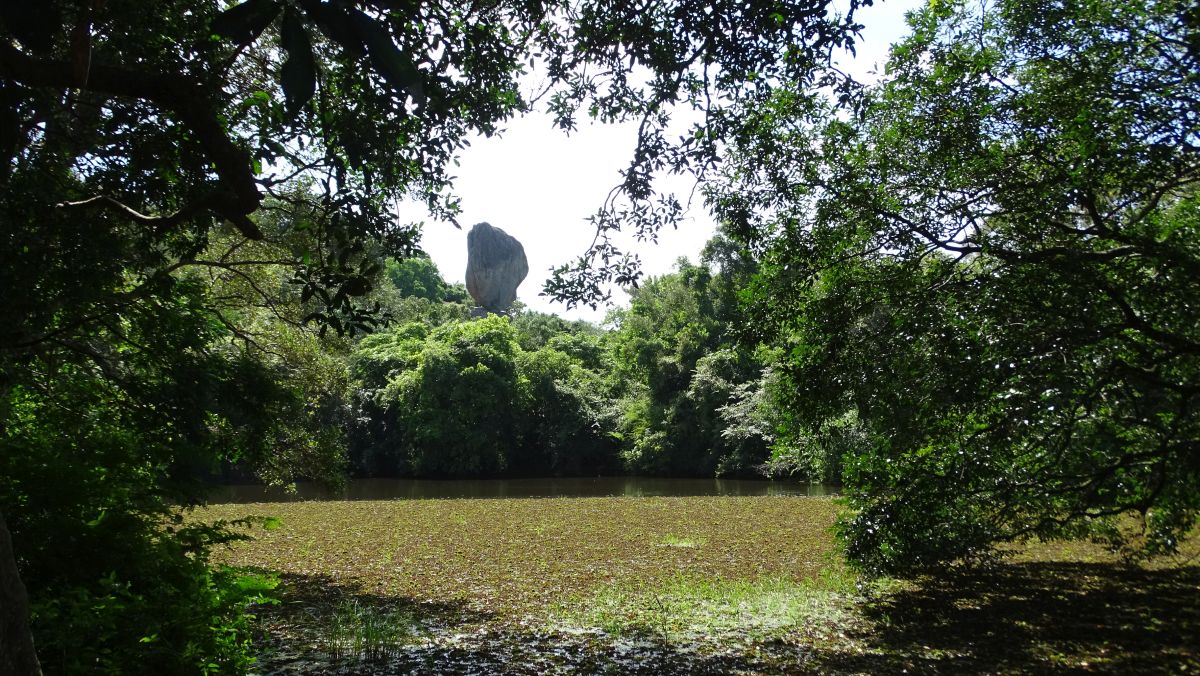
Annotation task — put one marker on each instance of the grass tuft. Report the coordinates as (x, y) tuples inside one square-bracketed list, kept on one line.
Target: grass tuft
[(357, 631), (686, 543)]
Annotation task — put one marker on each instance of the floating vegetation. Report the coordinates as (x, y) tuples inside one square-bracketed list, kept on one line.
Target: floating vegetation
[(520, 557), (696, 585), (698, 609)]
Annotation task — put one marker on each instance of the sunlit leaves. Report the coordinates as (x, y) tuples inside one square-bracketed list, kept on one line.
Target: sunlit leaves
[(975, 265)]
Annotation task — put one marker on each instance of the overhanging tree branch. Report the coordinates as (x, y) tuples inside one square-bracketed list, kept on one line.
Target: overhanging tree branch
[(187, 100)]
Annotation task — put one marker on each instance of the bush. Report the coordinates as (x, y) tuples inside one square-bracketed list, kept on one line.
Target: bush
[(117, 582)]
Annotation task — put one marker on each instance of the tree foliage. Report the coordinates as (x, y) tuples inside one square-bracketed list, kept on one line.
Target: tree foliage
[(677, 368), (418, 277), (94, 466), (144, 146), (666, 391), (993, 266), (465, 399), (458, 409)]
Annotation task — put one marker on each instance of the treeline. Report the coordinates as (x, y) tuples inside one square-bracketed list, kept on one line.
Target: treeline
[(664, 388), (975, 298)]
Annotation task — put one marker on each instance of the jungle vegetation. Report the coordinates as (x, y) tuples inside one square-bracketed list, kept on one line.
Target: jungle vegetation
[(968, 293)]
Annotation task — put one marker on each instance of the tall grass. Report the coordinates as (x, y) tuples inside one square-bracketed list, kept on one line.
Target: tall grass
[(362, 632)]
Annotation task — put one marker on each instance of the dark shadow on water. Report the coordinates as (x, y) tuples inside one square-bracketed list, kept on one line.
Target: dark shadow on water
[(1033, 618)]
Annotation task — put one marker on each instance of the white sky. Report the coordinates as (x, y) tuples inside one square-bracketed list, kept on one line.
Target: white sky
[(539, 185)]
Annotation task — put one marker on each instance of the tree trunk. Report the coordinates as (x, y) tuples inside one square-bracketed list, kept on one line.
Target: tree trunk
[(17, 656)]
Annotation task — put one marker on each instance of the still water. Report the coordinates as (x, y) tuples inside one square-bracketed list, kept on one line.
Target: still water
[(417, 489)]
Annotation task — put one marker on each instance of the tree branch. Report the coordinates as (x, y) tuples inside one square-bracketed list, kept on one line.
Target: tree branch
[(188, 101), (157, 223)]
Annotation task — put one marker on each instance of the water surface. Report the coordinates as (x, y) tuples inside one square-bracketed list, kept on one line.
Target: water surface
[(418, 489)]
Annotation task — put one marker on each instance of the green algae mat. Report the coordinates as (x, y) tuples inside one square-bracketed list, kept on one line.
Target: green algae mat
[(680, 585), (520, 556)]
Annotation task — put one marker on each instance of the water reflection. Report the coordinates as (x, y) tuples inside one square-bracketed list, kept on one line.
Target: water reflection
[(417, 489)]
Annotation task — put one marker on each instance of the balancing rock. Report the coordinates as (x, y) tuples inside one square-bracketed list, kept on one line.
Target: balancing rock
[(496, 265)]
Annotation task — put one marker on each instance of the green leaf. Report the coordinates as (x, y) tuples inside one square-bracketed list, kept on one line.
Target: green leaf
[(275, 146), (396, 68), (356, 286), (336, 24), (272, 523), (299, 72), (245, 22)]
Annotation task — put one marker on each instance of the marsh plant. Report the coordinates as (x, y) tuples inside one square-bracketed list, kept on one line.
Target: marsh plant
[(670, 540), (358, 631), (687, 607)]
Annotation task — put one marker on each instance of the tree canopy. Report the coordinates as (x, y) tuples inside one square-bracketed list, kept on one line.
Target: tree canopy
[(971, 292), (993, 266), (186, 186)]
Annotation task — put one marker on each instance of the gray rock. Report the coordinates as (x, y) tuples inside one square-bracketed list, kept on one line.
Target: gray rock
[(496, 265)]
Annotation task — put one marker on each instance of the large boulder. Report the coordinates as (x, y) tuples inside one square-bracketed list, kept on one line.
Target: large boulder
[(496, 265)]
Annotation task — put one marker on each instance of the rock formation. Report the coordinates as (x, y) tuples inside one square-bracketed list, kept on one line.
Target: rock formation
[(496, 265)]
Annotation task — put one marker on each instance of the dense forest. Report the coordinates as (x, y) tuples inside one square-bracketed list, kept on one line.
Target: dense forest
[(969, 293), (664, 388)]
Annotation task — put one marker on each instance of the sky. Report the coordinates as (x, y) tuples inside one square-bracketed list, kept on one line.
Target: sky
[(539, 185)]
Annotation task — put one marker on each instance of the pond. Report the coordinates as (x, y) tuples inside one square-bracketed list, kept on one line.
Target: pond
[(417, 489)]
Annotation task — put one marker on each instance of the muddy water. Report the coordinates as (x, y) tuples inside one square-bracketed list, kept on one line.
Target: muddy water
[(417, 489)]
